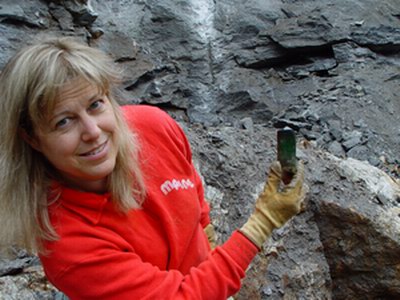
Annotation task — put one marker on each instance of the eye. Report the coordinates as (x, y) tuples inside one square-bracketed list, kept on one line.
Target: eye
[(62, 123), (96, 105)]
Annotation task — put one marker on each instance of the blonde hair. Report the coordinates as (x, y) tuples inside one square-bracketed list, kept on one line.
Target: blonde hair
[(29, 85)]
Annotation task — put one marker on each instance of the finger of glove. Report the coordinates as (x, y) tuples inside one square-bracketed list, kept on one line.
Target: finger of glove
[(302, 202), (299, 179), (301, 197), (274, 177), (295, 186), (294, 193)]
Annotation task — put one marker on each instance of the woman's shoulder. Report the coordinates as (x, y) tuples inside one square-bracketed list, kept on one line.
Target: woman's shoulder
[(138, 114), (154, 126), (151, 120)]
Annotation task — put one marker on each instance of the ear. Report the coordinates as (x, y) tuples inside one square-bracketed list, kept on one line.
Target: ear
[(30, 140)]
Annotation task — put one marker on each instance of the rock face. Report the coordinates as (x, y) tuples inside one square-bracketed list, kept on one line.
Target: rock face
[(344, 245), (232, 71)]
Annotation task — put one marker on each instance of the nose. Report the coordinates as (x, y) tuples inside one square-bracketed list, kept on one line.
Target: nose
[(90, 129)]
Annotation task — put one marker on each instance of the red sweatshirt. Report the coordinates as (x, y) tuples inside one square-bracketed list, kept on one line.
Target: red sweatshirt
[(157, 252)]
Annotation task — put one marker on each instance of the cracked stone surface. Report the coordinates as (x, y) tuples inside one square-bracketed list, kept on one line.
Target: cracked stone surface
[(231, 72)]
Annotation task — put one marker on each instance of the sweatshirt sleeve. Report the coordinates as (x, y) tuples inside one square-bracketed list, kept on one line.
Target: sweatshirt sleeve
[(107, 273)]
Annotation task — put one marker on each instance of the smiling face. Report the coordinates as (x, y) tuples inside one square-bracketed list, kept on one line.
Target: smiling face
[(78, 138)]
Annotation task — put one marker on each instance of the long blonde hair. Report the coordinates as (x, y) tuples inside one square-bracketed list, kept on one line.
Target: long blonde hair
[(29, 85)]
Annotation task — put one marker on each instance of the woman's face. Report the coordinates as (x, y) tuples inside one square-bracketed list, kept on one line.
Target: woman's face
[(78, 138)]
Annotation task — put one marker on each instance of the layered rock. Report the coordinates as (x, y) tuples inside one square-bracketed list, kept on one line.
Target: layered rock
[(231, 71)]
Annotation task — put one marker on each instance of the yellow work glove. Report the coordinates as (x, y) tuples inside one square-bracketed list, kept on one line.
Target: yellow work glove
[(275, 205), (211, 236)]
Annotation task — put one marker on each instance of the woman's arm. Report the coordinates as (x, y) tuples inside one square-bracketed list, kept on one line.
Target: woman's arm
[(109, 273)]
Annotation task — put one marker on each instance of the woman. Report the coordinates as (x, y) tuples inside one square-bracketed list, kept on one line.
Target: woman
[(108, 195)]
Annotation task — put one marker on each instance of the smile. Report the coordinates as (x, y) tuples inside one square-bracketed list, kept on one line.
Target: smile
[(96, 150)]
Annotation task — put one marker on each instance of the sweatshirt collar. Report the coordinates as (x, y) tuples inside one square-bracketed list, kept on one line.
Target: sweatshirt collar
[(88, 205)]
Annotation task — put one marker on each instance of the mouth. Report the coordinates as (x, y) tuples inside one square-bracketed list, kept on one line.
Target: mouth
[(95, 150)]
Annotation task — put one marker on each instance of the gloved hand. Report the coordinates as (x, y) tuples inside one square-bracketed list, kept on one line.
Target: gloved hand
[(211, 236), (275, 205)]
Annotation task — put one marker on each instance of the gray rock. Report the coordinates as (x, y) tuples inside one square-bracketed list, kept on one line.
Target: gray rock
[(62, 16), (263, 55), (336, 149), (15, 266), (349, 51), (247, 123), (23, 13), (81, 11), (359, 152), (351, 139), (325, 67), (30, 285), (335, 129), (240, 104), (384, 39), (303, 31)]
